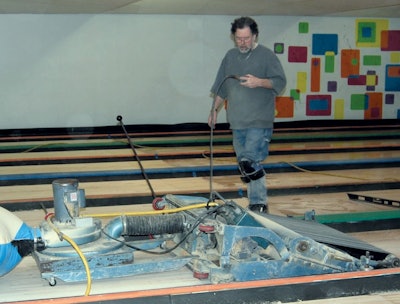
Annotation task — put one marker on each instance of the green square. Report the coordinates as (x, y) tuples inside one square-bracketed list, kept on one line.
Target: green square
[(295, 94), (329, 63), (372, 60), (279, 48), (303, 27), (366, 32), (358, 102)]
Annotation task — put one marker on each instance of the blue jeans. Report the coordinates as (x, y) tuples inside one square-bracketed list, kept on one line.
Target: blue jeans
[(253, 145)]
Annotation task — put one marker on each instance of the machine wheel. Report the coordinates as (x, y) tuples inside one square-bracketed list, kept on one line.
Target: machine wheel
[(206, 228), (156, 203), (200, 275), (52, 281)]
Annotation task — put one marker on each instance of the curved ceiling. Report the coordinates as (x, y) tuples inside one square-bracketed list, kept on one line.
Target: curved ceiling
[(337, 8)]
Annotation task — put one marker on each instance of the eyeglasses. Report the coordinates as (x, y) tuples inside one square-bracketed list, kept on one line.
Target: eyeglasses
[(243, 39)]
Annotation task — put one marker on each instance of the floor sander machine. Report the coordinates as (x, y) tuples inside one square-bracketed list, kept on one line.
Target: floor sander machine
[(219, 242)]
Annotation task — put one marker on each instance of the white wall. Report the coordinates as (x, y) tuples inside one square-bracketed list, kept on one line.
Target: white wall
[(84, 70)]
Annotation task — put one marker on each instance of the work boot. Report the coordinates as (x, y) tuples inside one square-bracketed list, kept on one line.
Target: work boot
[(261, 208)]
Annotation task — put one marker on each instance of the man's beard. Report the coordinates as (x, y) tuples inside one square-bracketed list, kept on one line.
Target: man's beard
[(244, 50)]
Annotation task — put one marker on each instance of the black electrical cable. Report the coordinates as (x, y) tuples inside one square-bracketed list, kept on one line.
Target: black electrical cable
[(213, 109), (119, 118), (190, 231)]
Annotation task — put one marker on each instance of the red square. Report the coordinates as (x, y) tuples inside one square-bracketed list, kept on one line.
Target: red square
[(297, 54), (390, 40)]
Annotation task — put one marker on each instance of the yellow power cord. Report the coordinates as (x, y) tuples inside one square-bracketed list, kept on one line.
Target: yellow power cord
[(63, 236), (324, 173), (140, 213), (337, 175)]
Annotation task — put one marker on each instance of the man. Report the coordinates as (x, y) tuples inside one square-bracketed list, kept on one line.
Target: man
[(249, 78)]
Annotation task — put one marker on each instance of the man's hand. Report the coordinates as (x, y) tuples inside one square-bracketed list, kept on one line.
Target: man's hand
[(212, 118), (251, 81)]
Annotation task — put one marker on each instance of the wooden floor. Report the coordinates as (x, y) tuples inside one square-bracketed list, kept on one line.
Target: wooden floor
[(310, 174)]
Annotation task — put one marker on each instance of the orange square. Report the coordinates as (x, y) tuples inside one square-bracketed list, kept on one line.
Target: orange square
[(374, 110), (284, 107), (350, 63)]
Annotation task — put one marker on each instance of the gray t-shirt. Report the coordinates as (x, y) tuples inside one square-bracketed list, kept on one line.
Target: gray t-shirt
[(249, 108)]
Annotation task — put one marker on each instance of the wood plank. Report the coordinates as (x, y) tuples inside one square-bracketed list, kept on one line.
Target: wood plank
[(168, 151), (135, 140), (342, 132), (193, 162), (326, 203), (276, 181)]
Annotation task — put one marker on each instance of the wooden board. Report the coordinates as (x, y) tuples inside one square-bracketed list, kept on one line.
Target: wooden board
[(275, 181), (192, 162), (187, 150)]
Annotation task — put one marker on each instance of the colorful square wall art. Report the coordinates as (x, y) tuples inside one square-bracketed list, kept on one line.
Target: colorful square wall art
[(319, 105), (368, 32), (392, 78)]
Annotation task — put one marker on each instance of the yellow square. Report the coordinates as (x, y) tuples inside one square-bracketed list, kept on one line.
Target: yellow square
[(339, 109), (302, 82), (395, 57), (371, 80)]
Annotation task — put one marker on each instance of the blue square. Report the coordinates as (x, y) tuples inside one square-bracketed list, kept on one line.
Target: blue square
[(319, 105), (322, 43), (366, 32)]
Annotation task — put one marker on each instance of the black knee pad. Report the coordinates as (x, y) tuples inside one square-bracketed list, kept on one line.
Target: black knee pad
[(248, 172)]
